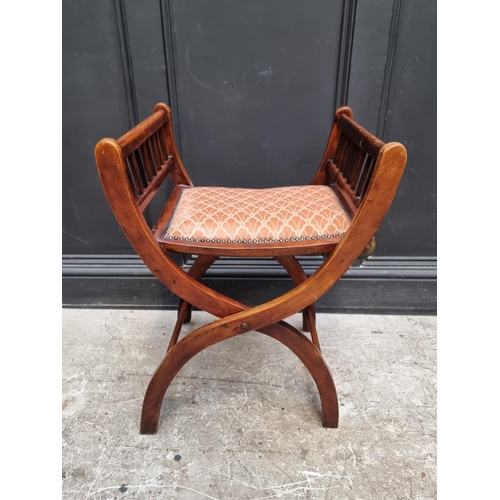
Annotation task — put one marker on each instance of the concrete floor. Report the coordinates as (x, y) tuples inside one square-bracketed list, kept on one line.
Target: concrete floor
[(242, 420)]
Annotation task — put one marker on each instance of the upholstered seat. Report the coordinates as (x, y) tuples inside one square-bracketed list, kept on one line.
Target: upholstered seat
[(230, 217)]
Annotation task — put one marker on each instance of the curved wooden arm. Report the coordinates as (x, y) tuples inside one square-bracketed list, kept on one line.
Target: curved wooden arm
[(381, 191), (113, 175)]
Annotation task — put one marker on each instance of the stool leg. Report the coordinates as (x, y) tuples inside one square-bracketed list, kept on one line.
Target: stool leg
[(181, 314), (294, 269), (306, 324), (215, 332), (198, 269), (310, 314), (187, 317)]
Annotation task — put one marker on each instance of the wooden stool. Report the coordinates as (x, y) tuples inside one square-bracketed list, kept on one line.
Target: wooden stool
[(337, 214)]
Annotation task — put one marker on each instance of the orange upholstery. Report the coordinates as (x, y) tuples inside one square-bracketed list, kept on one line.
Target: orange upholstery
[(235, 215)]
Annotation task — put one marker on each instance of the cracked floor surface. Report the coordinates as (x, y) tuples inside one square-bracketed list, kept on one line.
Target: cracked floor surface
[(242, 419)]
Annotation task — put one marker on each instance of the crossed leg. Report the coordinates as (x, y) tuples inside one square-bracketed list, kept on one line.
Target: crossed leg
[(291, 266), (179, 353)]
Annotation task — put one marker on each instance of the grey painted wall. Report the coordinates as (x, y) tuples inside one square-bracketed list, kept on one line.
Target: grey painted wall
[(253, 87)]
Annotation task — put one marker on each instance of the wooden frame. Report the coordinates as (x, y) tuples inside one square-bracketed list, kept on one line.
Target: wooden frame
[(363, 171)]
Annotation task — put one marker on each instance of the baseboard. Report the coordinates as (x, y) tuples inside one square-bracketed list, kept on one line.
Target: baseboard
[(381, 285)]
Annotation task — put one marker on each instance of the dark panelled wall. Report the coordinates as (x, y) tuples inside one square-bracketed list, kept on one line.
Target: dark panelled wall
[(95, 105), (410, 118), (253, 87), (256, 87)]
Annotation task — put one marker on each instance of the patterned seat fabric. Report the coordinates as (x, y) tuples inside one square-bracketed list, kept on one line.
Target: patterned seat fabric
[(235, 215)]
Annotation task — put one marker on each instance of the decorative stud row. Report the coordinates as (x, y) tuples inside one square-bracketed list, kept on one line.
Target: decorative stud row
[(253, 241)]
